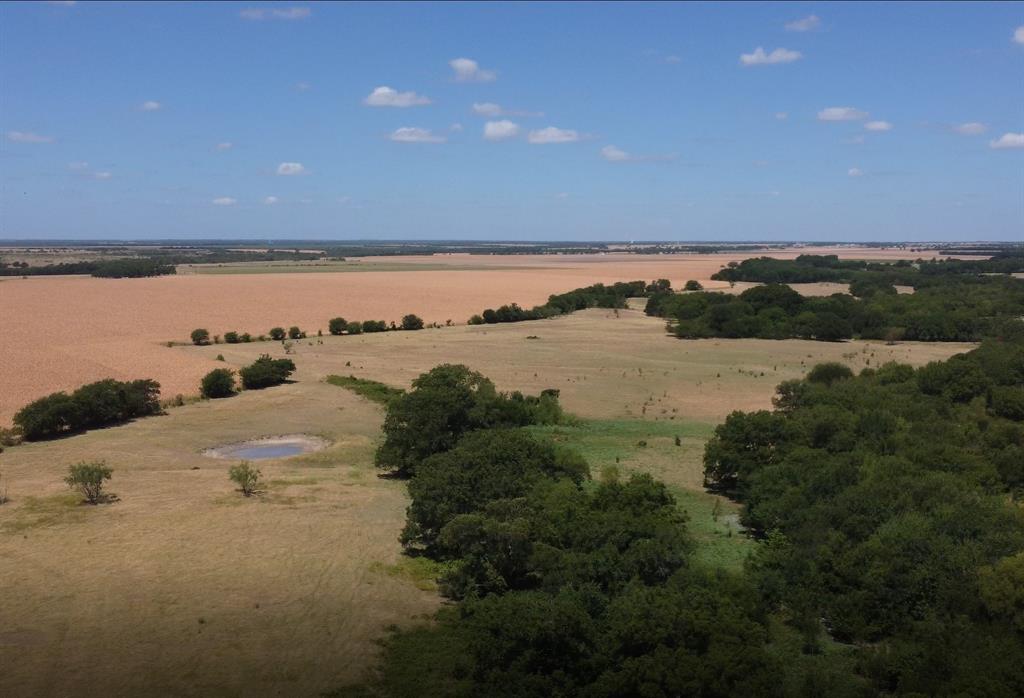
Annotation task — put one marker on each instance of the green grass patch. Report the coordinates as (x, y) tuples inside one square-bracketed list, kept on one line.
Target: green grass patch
[(34, 512), (627, 445), (421, 571), (375, 391)]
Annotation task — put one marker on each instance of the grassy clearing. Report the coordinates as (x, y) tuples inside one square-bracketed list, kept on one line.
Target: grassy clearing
[(374, 391), (644, 446), (422, 572)]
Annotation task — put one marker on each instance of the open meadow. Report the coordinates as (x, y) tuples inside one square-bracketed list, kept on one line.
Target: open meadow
[(61, 332), (184, 587)]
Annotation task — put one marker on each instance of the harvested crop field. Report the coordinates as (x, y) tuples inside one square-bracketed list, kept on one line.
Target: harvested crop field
[(61, 332)]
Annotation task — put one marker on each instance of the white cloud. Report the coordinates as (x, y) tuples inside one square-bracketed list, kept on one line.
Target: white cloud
[(303, 86), (761, 57), (808, 23), (291, 168), (28, 137), (412, 134), (500, 130), (102, 175), (878, 126), (1008, 141), (841, 114), (455, 128), (1018, 34), (971, 128), (224, 201), (226, 145), (385, 96), (855, 172), (613, 154), (672, 59), (562, 195), (259, 13), (487, 109), (270, 200), (468, 70), (552, 134), (78, 165), (781, 115), (151, 105)]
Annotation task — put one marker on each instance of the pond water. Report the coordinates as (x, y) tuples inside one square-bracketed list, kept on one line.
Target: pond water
[(268, 447), (262, 452)]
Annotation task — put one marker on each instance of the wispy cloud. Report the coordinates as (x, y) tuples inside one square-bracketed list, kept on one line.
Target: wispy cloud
[(102, 175), (971, 128), (413, 134), (468, 70), (492, 110), (286, 13), (226, 145), (29, 137), (224, 201), (553, 134), (1018, 35), (808, 23), (1008, 141), (500, 130), (303, 87), (385, 96), (151, 105), (781, 115), (777, 56), (613, 153), (270, 200), (878, 126), (78, 165), (290, 169), (841, 114), (855, 172)]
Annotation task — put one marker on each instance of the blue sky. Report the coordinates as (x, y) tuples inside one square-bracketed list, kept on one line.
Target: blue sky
[(785, 121)]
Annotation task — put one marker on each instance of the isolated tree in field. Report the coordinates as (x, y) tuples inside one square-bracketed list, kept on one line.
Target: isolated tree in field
[(337, 325), (231, 338), (295, 333), (200, 336), (265, 372), (88, 478), (277, 333), (412, 322), (245, 476), (693, 285), (218, 383)]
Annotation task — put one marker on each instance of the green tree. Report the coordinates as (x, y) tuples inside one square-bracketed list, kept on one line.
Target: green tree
[(88, 478), (266, 372), (246, 476), (277, 333), (218, 383), (412, 322), (337, 325), (200, 337), (295, 333), (693, 285)]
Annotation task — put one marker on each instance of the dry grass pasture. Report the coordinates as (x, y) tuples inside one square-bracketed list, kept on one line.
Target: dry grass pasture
[(184, 587), (61, 332)]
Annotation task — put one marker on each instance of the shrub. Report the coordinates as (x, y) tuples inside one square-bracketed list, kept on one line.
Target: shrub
[(245, 476), (354, 328), (375, 326), (266, 372), (295, 333), (88, 478), (337, 325), (277, 333), (96, 404), (828, 373), (693, 285), (218, 383), (246, 337), (200, 337), (476, 320), (412, 322), (231, 338)]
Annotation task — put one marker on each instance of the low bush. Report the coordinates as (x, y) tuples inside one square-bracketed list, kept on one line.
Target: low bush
[(266, 372), (200, 337), (375, 326), (88, 478), (246, 477), (218, 383), (693, 285), (277, 333), (295, 333), (354, 328), (232, 338)]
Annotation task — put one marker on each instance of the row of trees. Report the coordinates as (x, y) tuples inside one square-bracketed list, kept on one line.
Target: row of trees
[(565, 587), (340, 326), (92, 406), (955, 308), (336, 326), (889, 503), (110, 269), (596, 296)]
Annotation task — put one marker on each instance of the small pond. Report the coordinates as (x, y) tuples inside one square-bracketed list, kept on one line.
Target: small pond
[(268, 447)]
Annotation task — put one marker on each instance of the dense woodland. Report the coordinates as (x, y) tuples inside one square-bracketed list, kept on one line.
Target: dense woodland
[(109, 269), (891, 561), (596, 296)]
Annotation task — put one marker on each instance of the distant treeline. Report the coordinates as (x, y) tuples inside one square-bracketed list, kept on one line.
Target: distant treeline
[(596, 296), (818, 268), (959, 309), (109, 269)]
